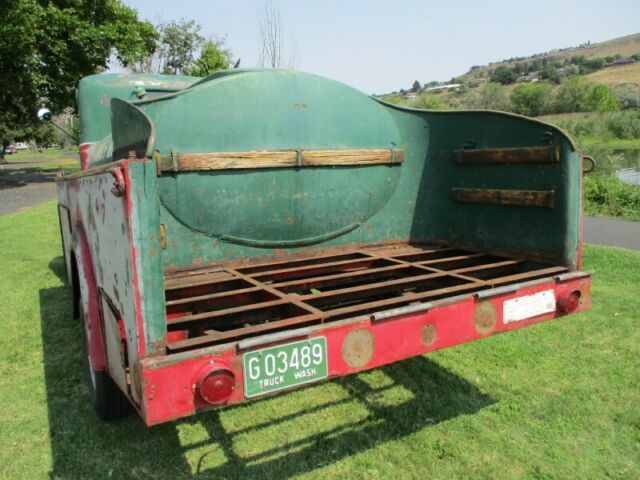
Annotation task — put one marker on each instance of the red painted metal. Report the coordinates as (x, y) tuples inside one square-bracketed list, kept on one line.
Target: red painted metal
[(169, 392), (89, 298), (84, 155)]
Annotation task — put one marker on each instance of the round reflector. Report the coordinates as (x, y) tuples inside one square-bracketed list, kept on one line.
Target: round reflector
[(216, 387), (569, 302)]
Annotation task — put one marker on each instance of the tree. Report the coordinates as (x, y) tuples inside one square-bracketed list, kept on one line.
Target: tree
[(490, 96), (601, 99), (531, 99), (503, 75), (427, 101), (179, 40), (213, 57), (416, 86), (572, 94), (270, 36), (46, 47)]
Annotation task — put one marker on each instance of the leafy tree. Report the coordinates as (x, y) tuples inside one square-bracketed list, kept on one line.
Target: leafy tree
[(591, 65), (213, 57), (601, 99), (47, 46), (427, 101), (572, 94), (628, 96), (179, 40), (490, 96), (503, 75), (531, 99), (416, 86), (550, 73)]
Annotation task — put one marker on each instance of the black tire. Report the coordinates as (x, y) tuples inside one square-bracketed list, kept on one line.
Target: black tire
[(108, 402)]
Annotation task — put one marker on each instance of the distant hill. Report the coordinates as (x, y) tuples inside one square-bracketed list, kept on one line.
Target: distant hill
[(624, 46)]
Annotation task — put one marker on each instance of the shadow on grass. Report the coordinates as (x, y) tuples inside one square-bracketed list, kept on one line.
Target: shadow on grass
[(276, 437)]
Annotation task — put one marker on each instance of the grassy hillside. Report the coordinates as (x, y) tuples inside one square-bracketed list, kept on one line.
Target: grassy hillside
[(621, 75), (625, 46)]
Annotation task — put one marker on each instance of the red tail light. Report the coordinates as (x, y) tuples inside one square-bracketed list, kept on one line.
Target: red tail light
[(569, 302), (216, 385)]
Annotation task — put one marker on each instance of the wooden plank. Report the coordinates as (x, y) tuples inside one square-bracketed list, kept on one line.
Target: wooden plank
[(544, 154), (186, 162), (518, 198), (351, 157)]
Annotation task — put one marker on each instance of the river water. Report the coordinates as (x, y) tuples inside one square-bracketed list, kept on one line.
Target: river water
[(623, 162)]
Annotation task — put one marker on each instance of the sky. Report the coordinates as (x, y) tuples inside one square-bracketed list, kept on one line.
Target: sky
[(381, 46)]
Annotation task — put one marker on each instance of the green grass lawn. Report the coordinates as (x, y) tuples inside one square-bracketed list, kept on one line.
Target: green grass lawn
[(47, 160), (558, 400)]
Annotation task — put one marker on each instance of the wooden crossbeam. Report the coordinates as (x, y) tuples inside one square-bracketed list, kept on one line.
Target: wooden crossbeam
[(186, 162), (544, 154), (517, 198)]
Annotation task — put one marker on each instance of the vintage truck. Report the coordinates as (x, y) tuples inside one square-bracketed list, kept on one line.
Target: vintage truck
[(258, 230)]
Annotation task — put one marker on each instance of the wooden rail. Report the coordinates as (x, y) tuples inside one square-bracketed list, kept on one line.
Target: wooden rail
[(544, 154), (186, 162), (518, 198)]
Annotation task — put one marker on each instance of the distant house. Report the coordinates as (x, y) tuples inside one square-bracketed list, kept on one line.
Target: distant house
[(528, 78), (443, 87)]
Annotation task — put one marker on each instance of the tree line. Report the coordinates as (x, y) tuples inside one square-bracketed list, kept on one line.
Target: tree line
[(46, 47)]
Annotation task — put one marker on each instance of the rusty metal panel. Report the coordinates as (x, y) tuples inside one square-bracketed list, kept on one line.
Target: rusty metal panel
[(518, 198)]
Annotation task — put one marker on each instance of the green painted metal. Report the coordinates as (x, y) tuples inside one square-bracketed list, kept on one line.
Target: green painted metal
[(212, 216), (96, 91)]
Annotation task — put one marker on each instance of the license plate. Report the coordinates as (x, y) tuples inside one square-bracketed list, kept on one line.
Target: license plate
[(284, 366)]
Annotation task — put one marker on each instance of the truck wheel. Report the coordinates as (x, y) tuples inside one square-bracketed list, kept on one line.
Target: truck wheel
[(107, 400)]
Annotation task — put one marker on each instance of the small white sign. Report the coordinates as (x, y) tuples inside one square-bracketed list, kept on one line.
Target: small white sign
[(529, 306)]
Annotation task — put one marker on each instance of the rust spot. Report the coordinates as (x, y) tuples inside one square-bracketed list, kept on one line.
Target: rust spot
[(485, 317), (163, 236), (290, 221), (428, 334), (358, 347), (434, 159), (300, 105)]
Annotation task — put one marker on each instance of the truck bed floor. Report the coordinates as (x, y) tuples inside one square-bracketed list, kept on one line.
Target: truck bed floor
[(218, 304)]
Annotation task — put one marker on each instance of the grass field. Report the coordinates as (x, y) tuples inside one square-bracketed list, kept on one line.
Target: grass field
[(50, 159), (558, 400)]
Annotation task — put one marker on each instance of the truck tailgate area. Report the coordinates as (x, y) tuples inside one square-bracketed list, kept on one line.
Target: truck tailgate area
[(218, 304)]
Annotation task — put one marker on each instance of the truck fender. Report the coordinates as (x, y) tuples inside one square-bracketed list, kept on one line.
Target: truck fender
[(89, 297)]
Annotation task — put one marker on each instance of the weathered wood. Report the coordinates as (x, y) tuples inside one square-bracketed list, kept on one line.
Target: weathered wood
[(350, 157), (545, 154), (276, 159), (518, 198)]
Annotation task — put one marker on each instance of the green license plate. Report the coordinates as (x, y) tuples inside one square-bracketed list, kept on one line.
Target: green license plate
[(284, 366)]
